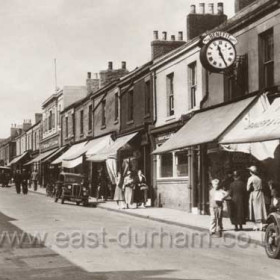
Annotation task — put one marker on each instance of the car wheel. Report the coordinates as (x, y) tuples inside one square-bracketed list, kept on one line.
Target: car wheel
[(272, 244)]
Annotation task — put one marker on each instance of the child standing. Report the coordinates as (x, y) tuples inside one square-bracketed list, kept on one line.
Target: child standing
[(216, 207)]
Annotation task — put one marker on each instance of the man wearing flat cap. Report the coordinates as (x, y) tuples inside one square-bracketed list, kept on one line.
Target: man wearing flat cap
[(257, 210)]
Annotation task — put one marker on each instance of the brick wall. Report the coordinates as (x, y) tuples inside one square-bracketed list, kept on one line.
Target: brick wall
[(162, 47), (110, 75)]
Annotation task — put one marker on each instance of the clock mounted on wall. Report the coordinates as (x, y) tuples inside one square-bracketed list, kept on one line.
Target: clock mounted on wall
[(218, 52)]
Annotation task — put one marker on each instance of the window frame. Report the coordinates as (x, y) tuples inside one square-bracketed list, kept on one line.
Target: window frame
[(90, 122), (147, 98), (130, 105), (81, 122), (192, 72), (170, 94), (103, 113)]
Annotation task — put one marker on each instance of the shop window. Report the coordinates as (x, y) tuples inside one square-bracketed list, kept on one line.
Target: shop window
[(192, 85), (266, 57), (147, 98), (182, 164), (116, 106), (90, 117), (81, 122), (103, 121), (130, 106), (170, 94), (166, 165)]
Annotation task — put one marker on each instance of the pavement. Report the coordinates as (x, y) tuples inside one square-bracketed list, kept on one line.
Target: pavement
[(179, 218)]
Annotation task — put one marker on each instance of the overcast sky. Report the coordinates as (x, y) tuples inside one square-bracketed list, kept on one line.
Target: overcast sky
[(83, 35)]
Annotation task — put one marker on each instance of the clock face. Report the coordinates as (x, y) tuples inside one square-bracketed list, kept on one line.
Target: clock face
[(220, 54)]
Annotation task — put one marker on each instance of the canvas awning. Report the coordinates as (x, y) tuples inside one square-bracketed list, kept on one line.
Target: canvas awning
[(261, 127), (71, 151), (205, 126), (90, 148), (17, 159), (50, 157), (111, 150), (40, 157)]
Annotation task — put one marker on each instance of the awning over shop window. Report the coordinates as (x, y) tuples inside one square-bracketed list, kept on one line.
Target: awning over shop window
[(92, 147), (264, 126), (40, 157), (205, 126), (17, 159), (52, 156), (71, 151), (111, 150)]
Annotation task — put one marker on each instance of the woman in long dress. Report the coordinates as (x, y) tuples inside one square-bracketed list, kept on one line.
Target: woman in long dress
[(118, 196), (257, 210), (237, 192), (142, 189), (128, 186)]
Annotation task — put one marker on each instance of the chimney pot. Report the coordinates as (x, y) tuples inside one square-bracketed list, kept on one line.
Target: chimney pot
[(210, 8), (193, 9), (220, 8), (201, 8), (180, 35), (164, 35), (110, 65), (155, 35), (173, 38), (89, 75), (123, 65)]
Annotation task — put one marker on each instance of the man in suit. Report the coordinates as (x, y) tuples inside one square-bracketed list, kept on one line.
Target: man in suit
[(18, 181)]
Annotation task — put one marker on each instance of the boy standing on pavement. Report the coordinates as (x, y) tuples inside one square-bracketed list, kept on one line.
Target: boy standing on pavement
[(216, 207)]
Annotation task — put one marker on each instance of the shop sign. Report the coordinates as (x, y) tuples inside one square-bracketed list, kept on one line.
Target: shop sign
[(52, 143), (163, 137)]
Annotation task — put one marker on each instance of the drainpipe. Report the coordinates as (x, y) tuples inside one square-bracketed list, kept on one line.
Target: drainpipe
[(206, 96), (155, 97)]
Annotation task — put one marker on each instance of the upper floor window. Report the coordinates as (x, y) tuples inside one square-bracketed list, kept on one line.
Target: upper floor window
[(50, 120), (90, 117), (58, 114), (103, 120), (81, 122), (73, 124), (170, 94), (192, 85), (130, 107), (66, 127), (147, 98), (116, 106), (266, 55)]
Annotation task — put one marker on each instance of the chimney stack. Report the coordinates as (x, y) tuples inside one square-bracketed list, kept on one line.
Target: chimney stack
[(180, 35), (164, 35), (123, 65), (193, 9), (201, 8), (155, 35), (211, 8), (110, 65), (220, 8), (89, 75)]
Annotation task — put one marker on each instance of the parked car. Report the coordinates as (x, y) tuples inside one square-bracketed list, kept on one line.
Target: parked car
[(71, 187), (272, 235), (5, 176)]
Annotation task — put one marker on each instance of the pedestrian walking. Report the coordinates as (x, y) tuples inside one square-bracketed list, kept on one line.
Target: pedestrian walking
[(141, 189), (257, 211), (216, 196), (18, 181), (101, 190), (34, 179), (119, 196), (128, 186), (24, 182), (237, 201)]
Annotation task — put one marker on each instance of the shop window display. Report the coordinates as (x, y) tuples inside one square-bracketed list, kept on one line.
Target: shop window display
[(166, 165), (182, 164)]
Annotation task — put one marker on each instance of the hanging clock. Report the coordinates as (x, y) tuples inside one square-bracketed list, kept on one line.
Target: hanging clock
[(218, 52)]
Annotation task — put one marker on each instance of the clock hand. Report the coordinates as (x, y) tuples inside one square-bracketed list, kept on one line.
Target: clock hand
[(221, 55)]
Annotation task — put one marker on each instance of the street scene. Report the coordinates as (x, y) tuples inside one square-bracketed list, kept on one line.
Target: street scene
[(140, 141)]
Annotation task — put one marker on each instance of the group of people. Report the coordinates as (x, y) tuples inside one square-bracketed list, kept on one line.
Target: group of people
[(132, 189), (238, 204), (22, 180)]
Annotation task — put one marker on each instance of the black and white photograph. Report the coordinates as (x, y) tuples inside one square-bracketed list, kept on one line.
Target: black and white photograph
[(140, 139)]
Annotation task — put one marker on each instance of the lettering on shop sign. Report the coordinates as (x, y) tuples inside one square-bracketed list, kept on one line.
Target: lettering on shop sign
[(162, 138), (263, 123), (219, 34), (49, 144)]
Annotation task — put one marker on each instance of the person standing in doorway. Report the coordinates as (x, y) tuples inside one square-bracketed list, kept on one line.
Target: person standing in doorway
[(118, 196), (18, 181), (257, 210), (128, 186), (34, 179), (237, 192)]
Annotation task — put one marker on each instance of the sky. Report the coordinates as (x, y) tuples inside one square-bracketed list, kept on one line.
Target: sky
[(82, 35)]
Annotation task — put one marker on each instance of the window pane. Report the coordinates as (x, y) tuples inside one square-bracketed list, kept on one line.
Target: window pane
[(182, 164), (166, 165)]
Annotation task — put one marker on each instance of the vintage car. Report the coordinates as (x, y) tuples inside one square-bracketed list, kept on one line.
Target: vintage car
[(5, 176), (272, 235), (71, 187)]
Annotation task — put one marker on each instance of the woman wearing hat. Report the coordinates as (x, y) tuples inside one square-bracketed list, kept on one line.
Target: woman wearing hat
[(237, 192), (128, 186), (257, 210)]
